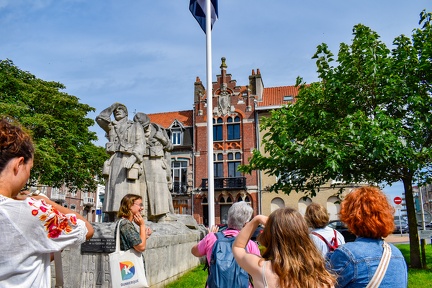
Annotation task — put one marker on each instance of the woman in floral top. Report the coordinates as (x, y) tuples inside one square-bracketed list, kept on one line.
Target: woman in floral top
[(32, 227)]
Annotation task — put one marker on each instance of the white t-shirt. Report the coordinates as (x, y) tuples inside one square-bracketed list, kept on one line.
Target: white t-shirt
[(328, 234), (29, 231)]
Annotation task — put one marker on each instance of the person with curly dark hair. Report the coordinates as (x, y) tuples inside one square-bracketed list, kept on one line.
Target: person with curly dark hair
[(369, 215), (33, 227), (290, 258)]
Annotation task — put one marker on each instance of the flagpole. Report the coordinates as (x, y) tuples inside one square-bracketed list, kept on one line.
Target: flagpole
[(211, 200)]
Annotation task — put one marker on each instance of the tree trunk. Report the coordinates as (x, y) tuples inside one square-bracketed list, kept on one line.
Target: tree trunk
[(412, 224)]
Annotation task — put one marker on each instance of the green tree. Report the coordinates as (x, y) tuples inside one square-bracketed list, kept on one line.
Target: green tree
[(368, 119), (65, 153)]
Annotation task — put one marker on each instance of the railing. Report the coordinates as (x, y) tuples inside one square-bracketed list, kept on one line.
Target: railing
[(179, 189), (225, 183), (88, 201), (58, 197)]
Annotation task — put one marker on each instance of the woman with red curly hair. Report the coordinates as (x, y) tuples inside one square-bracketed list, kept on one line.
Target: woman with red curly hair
[(33, 226), (368, 214)]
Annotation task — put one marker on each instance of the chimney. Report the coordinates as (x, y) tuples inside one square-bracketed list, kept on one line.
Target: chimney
[(256, 85)]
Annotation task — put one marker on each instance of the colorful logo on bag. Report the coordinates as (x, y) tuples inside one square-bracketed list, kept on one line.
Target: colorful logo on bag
[(127, 270)]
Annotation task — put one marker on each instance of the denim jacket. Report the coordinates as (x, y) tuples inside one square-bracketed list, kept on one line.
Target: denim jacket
[(355, 264)]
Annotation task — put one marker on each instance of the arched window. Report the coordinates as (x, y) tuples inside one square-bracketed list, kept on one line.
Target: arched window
[(333, 207), (245, 198), (276, 203), (303, 203)]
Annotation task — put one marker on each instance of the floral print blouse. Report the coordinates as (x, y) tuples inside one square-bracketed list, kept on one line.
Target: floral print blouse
[(30, 231)]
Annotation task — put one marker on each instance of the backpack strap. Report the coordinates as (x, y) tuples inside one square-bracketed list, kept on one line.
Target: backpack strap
[(334, 240), (219, 235)]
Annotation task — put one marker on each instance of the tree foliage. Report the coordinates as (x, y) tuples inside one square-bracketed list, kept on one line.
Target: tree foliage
[(65, 153), (368, 119)]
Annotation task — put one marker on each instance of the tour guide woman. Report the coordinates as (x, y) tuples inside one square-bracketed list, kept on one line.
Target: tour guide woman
[(130, 210)]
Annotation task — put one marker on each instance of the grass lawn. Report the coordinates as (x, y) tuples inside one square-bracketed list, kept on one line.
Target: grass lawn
[(197, 277), (418, 278)]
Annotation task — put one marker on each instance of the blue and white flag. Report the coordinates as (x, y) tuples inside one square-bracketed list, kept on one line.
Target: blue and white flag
[(198, 8)]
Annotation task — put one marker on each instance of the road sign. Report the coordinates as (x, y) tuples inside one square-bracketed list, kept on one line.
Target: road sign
[(397, 200), (427, 217), (425, 234)]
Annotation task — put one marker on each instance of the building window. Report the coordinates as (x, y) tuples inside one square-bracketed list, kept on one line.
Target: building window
[(243, 198), (233, 128), (234, 160), (288, 98), (181, 207), (179, 176), (218, 165), (177, 137), (217, 129)]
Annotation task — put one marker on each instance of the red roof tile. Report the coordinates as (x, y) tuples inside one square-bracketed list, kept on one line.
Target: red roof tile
[(165, 119), (274, 96)]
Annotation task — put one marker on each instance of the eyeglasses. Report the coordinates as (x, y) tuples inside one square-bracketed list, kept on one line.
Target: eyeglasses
[(140, 205)]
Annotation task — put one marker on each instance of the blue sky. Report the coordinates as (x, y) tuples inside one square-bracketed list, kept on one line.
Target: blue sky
[(147, 54)]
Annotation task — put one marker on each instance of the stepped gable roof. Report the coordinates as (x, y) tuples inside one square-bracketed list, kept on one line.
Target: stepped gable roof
[(274, 96), (165, 119)]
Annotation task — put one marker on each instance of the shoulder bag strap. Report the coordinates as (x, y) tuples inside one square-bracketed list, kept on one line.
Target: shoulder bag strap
[(382, 267), (118, 236), (58, 269)]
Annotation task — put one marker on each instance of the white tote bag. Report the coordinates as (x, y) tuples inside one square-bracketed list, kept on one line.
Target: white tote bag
[(127, 267)]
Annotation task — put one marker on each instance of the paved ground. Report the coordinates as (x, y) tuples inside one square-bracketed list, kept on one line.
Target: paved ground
[(398, 239)]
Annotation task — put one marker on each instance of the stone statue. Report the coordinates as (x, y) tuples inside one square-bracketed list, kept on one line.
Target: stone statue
[(126, 145), (157, 169)]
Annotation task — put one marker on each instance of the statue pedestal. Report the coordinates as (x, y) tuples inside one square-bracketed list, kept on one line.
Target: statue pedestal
[(167, 255)]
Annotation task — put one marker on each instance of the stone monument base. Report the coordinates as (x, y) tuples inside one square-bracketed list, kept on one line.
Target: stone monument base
[(167, 256)]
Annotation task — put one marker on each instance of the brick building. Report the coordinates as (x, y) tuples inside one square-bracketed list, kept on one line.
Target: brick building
[(236, 115), (237, 112), (234, 138), (79, 201)]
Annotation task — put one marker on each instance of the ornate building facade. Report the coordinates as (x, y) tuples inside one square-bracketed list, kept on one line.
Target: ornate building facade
[(236, 115)]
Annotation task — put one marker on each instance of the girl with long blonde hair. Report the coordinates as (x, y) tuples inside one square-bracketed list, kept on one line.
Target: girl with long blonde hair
[(290, 258)]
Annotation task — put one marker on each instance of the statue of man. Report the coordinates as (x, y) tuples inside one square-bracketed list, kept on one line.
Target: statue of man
[(126, 145), (157, 168)]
